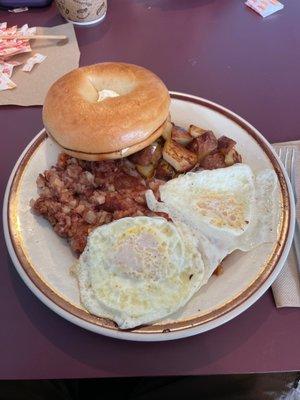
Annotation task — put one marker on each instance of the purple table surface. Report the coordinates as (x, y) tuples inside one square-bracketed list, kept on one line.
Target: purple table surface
[(220, 50)]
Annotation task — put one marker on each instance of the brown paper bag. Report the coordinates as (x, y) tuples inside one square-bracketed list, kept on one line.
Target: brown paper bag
[(62, 57)]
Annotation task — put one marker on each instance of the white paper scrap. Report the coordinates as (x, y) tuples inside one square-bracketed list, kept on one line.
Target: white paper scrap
[(18, 10), (36, 59), (3, 26), (25, 30)]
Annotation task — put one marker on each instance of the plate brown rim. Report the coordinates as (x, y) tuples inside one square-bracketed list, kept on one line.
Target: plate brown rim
[(190, 322)]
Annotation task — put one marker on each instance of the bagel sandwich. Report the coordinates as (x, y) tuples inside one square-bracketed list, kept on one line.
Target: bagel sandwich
[(106, 111)]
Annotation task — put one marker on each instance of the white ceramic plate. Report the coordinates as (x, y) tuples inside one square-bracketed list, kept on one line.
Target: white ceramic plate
[(43, 259)]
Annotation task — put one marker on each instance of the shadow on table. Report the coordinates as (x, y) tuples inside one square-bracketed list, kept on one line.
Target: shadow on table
[(125, 358), (225, 387), (128, 16), (172, 5), (91, 34)]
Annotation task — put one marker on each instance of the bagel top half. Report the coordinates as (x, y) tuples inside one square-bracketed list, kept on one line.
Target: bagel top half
[(88, 128)]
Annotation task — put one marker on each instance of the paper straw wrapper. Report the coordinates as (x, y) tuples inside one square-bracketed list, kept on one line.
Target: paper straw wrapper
[(264, 7), (18, 10), (5, 82), (11, 47), (25, 30), (7, 68), (3, 26), (30, 63)]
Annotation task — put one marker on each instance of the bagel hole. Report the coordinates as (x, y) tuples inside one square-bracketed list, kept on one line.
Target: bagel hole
[(120, 86), (105, 94)]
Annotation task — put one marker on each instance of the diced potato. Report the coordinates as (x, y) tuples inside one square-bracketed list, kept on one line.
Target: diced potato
[(168, 130), (196, 131), (178, 156), (204, 144), (157, 154), (213, 160), (232, 157), (150, 154), (161, 141), (219, 270), (164, 170), (180, 135), (225, 144), (147, 171)]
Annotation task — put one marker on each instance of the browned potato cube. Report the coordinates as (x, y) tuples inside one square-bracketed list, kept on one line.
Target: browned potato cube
[(161, 141), (213, 160), (196, 131), (164, 170), (204, 144), (147, 171), (168, 130), (232, 157), (225, 144), (150, 154), (219, 270), (157, 154), (178, 156), (180, 135)]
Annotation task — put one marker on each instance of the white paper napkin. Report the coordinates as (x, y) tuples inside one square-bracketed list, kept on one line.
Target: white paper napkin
[(286, 288)]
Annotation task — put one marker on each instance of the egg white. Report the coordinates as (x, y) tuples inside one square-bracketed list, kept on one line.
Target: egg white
[(223, 210), (137, 270)]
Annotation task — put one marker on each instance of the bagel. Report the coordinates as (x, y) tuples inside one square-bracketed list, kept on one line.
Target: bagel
[(132, 112)]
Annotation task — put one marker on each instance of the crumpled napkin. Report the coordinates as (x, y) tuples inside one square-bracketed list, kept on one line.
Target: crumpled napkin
[(286, 288)]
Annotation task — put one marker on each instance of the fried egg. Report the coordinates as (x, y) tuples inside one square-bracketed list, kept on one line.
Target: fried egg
[(223, 209), (137, 270)]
